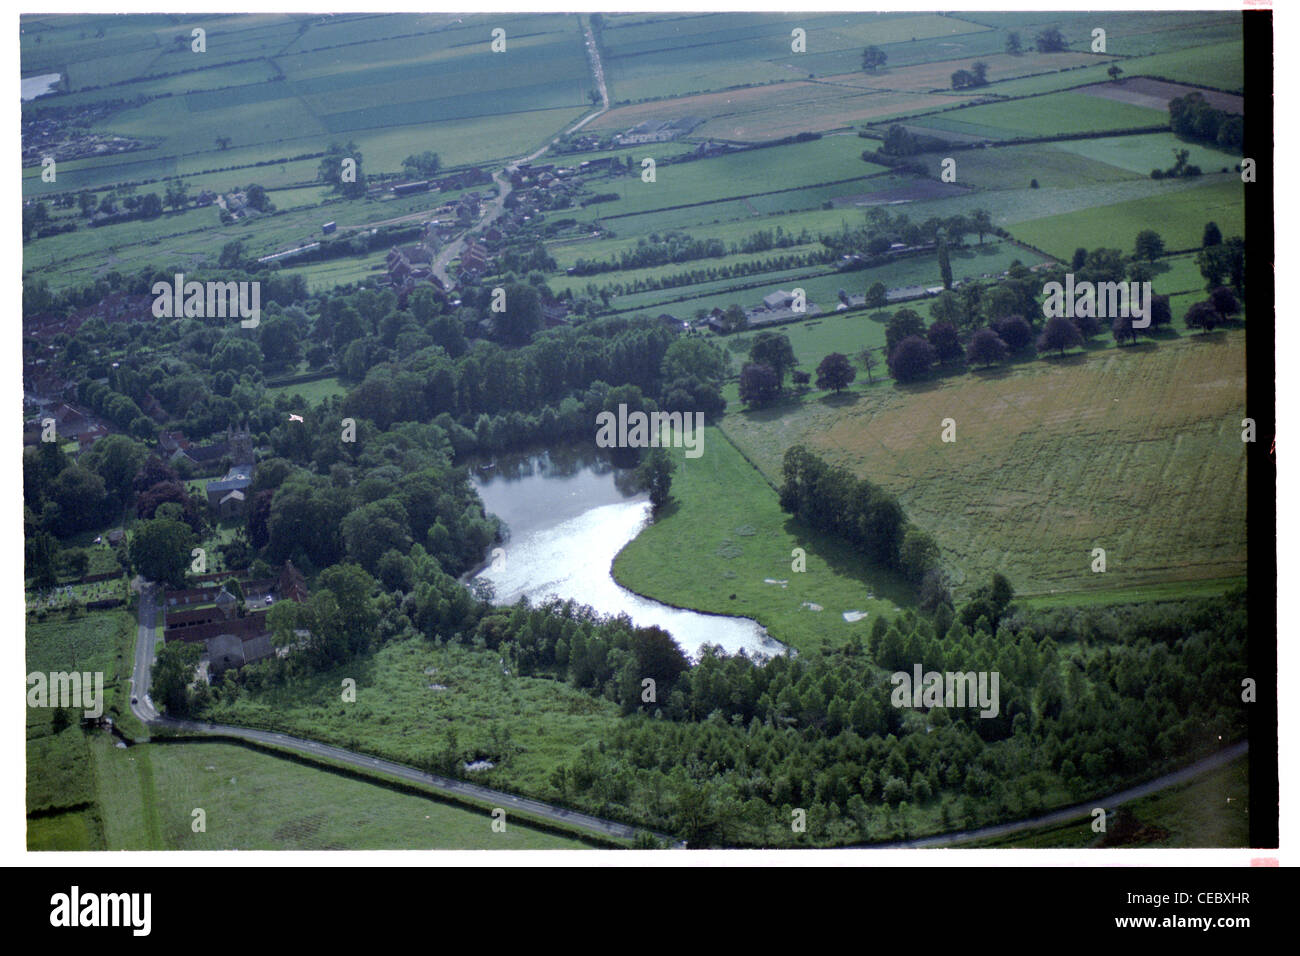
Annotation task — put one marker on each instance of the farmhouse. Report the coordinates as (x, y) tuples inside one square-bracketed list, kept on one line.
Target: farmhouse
[(662, 131), (229, 638)]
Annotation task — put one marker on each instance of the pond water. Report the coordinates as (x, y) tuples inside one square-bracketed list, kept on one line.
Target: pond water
[(568, 512), (34, 86)]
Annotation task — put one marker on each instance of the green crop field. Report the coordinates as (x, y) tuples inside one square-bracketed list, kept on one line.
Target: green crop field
[(829, 159), (1143, 153), (1012, 167), (677, 54), (1055, 114), (256, 801), (1180, 219), (1164, 495)]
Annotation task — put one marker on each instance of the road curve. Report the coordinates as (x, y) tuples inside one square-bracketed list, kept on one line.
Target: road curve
[(1079, 811), (143, 708)]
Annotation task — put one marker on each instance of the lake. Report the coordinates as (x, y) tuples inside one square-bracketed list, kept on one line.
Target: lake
[(568, 512)]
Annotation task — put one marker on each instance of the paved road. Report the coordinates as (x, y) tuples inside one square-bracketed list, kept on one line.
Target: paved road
[(144, 709), (502, 176), (1080, 811)]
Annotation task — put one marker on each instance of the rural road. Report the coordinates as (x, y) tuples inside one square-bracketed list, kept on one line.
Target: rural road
[(144, 709), (1081, 812), (502, 176)]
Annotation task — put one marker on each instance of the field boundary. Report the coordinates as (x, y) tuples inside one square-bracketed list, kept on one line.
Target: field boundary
[(382, 780)]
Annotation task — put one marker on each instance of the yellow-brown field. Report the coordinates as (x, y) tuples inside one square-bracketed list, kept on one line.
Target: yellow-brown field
[(1136, 450), (783, 109), (760, 113)]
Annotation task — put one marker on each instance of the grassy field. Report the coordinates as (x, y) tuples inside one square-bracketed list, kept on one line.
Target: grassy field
[(1012, 167), (1143, 153), (1209, 812), (1180, 219), (1056, 114), (821, 286), (829, 159), (1052, 460), (255, 801), (725, 546), (652, 57), (313, 393), (526, 725)]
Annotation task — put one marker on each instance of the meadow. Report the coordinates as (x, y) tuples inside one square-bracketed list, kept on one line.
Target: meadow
[(256, 801), (1029, 488), (1053, 114), (724, 546), (676, 55), (830, 159), (527, 725), (1179, 219)]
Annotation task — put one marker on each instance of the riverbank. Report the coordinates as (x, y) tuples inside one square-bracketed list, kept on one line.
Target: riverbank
[(724, 546)]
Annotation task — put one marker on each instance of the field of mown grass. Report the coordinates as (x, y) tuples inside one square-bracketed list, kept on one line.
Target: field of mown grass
[(1012, 167), (1134, 450), (1211, 811), (1056, 114), (313, 393), (256, 801), (1179, 217), (1142, 153)]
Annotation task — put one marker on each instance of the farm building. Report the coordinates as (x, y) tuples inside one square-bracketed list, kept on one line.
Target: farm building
[(657, 131), (230, 639), (329, 227)]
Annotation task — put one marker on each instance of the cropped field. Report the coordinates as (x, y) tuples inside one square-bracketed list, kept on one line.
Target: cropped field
[(1012, 167), (738, 174), (1147, 151), (1134, 450), (1180, 219), (671, 55), (255, 801), (1055, 114), (724, 536)]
